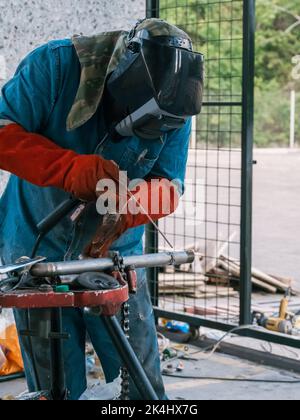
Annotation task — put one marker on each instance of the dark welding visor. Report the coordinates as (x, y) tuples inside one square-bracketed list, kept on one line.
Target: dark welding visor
[(177, 77), (159, 85)]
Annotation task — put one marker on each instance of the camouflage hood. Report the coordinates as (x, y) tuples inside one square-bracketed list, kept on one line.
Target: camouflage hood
[(99, 56)]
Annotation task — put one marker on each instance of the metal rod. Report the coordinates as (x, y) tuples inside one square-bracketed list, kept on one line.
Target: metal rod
[(58, 384), (152, 8), (247, 160), (221, 104), (104, 264), (152, 272), (293, 119), (130, 359), (152, 238)]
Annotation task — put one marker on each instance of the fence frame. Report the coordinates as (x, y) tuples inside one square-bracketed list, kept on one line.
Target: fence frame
[(247, 105)]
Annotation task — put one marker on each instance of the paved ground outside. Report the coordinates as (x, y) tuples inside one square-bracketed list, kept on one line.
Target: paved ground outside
[(276, 223), (276, 204), (220, 366)]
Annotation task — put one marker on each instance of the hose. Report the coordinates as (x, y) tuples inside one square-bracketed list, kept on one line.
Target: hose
[(12, 377)]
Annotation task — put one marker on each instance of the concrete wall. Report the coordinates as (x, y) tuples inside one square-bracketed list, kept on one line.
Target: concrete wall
[(25, 25)]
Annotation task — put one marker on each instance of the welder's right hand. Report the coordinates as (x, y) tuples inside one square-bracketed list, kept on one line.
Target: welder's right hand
[(41, 162), (85, 172)]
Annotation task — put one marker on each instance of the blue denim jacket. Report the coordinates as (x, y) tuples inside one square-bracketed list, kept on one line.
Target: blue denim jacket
[(39, 97)]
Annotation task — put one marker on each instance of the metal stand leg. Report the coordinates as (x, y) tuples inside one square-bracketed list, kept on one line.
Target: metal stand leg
[(130, 359), (50, 328), (58, 383)]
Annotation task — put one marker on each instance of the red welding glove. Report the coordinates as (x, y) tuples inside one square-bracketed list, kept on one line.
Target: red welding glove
[(150, 200), (39, 161)]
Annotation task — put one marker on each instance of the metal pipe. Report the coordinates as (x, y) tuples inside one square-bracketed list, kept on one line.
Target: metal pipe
[(57, 377), (247, 161), (152, 8), (152, 273), (104, 264)]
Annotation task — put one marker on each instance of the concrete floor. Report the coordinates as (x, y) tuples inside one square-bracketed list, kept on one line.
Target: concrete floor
[(276, 222), (276, 203), (226, 366), (217, 366)]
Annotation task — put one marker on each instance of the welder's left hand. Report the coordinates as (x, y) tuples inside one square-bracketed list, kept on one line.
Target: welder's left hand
[(109, 230)]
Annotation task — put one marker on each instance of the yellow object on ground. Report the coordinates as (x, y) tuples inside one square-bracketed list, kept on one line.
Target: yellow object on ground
[(10, 348)]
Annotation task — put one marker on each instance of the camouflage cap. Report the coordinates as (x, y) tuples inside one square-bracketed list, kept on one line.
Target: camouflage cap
[(100, 55), (158, 27)]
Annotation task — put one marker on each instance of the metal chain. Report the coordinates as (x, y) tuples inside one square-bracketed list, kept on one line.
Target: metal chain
[(125, 323), (124, 371)]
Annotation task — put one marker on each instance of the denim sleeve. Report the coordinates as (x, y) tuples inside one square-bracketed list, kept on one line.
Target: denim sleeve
[(29, 97), (172, 161)]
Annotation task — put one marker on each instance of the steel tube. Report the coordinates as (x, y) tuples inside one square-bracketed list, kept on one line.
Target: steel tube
[(57, 377), (152, 273), (103, 264), (247, 161)]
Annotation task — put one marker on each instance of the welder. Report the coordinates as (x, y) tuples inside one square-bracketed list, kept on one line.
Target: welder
[(76, 112)]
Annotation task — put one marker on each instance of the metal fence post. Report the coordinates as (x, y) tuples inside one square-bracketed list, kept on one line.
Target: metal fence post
[(152, 240), (152, 8), (247, 160)]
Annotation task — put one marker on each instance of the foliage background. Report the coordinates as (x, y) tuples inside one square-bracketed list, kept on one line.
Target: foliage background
[(277, 42)]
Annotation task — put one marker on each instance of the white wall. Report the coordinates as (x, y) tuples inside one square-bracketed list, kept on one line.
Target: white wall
[(27, 24)]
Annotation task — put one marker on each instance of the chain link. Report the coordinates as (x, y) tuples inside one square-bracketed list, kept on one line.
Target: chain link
[(124, 370), (125, 323)]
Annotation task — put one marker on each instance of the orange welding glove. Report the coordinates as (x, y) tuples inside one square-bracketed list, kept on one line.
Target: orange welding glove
[(150, 200), (39, 161)]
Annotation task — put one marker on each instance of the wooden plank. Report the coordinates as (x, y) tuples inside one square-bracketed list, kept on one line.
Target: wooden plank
[(182, 277), (202, 311), (233, 309), (235, 270), (198, 295), (259, 275), (214, 249), (201, 288), (285, 280)]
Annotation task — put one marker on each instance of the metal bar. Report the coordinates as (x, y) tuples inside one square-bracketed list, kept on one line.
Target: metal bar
[(58, 384), (130, 359), (247, 160), (104, 264), (152, 8), (152, 238), (153, 272), (229, 104), (293, 119), (257, 333)]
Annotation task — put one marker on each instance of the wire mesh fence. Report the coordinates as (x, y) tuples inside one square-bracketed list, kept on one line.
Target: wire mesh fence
[(209, 218)]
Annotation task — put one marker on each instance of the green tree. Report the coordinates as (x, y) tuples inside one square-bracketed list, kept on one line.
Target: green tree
[(216, 29), (277, 42)]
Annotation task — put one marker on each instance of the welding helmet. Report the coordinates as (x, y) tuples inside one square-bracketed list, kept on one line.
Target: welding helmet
[(158, 83)]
